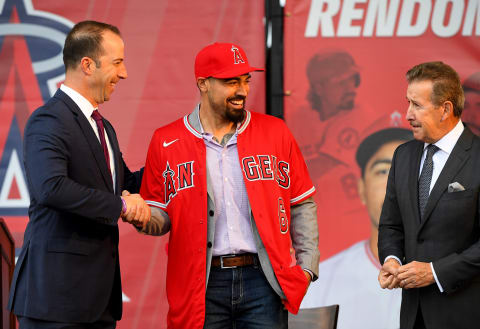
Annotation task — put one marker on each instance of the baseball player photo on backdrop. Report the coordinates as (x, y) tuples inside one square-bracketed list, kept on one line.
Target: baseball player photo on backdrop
[(330, 138)]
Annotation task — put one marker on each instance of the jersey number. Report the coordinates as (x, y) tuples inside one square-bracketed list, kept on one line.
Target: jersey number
[(282, 216)]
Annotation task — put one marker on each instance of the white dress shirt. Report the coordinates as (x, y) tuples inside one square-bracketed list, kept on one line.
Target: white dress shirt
[(87, 109), (445, 145)]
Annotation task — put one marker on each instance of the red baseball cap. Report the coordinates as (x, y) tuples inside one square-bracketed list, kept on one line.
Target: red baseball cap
[(222, 60)]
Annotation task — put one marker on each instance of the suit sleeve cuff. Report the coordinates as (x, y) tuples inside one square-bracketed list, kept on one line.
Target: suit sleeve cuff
[(436, 279), (394, 257)]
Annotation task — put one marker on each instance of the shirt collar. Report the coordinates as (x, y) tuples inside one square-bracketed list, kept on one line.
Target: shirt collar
[(447, 142), (197, 115), (194, 119), (85, 106)]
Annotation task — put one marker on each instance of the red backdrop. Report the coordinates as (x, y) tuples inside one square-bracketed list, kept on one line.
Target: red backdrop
[(385, 39)]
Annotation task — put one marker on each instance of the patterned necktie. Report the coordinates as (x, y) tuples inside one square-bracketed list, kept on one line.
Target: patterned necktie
[(426, 178), (101, 133)]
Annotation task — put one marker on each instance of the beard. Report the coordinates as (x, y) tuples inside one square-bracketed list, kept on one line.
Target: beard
[(229, 114), (347, 102), (234, 115)]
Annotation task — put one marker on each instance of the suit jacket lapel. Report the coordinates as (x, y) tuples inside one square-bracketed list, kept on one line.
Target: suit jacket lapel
[(90, 136), (413, 179), (455, 162)]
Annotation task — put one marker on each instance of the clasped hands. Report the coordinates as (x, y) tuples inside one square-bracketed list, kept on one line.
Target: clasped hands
[(138, 212), (412, 275)]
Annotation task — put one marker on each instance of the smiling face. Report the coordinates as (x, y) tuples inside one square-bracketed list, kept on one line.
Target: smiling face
[(424, 117), (227, 97), (111, 69)]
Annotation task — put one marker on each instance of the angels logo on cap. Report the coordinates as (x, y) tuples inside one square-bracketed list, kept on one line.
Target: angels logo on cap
[(215, 61), (237, 57)]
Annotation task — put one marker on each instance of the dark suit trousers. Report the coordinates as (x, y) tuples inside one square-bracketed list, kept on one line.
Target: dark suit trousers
[(106, 321), (419, 322)]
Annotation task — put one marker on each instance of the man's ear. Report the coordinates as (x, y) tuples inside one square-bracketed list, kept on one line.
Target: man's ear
[(87, 65), (203, 84), (447, 108)]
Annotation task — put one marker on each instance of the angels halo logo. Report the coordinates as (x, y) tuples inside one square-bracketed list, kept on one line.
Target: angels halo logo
[(31, 68)]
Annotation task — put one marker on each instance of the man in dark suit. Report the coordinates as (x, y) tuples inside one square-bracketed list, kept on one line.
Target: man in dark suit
[(68, 274), (429, 228)]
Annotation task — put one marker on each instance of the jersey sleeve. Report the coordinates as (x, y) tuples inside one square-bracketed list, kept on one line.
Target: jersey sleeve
[(153, 185), (301, 184)]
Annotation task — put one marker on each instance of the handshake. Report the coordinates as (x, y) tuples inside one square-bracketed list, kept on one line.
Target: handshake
[(137, 210)]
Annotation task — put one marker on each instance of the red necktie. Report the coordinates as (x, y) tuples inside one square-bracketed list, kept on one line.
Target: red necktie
[(98, 119)]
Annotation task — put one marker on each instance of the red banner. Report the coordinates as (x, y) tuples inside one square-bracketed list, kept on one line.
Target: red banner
[(161, 41), (376, 42), (345, 65)]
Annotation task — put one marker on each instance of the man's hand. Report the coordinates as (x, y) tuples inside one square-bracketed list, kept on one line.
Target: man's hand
[(138, 212), (386, 277), (415, 275), (309, 278)]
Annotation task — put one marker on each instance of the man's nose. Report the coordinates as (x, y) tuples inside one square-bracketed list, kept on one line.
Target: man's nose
[(122, 73), (243, 89), (409, 116)]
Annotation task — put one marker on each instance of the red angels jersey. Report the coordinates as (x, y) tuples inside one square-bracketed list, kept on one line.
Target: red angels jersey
[(175, 180)]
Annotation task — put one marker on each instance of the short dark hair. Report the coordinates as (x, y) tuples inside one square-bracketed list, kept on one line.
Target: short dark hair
[(373, 142), (446, 83), (85, 40)]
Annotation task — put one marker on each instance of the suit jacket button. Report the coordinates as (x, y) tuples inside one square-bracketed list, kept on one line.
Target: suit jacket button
[(209, 244), (211, 212)]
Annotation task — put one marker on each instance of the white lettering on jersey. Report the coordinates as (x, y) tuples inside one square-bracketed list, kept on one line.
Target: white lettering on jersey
[(184, 175), (266, 167)]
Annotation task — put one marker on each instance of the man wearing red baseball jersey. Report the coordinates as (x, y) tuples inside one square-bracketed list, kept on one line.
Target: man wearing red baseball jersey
[(233, 189)]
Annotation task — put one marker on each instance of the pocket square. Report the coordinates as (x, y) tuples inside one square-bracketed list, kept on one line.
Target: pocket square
[(455, 187)]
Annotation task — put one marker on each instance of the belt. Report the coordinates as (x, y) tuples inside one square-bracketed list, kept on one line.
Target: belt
[(233, 261)]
